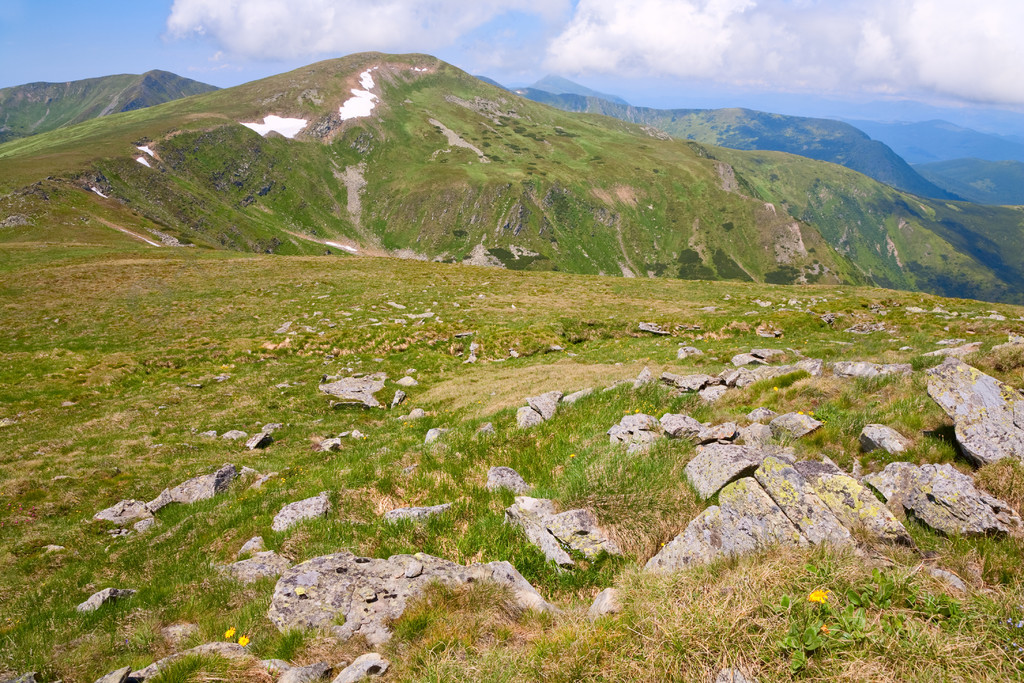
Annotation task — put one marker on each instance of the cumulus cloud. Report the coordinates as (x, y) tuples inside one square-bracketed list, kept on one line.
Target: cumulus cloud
[(287, 29), (950, 48)]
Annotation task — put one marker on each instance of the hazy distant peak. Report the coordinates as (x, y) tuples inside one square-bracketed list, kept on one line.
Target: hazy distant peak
[(557, 85)]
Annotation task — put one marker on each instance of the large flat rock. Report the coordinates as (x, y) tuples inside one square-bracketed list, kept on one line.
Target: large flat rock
[(717, 465), (356, 391), (199, 488), (797, 499)]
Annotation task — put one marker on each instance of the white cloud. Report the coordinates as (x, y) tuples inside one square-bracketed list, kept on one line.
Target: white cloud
[(949, 48), (286, 29)]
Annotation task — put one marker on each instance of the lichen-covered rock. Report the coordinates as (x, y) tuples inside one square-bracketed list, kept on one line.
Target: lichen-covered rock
[(416, 514), (944, 499), (762, 415), (553, 532), (636, 430), (606, 603), (578, 529), (370, 664), (717, 465), (755, 434), (356, 391), (712, 393), (527, 417), (359, 595), (746, 519), (988, 415), (100, 598), (319, 671), (852, 503), (546, 404), (577, 395), (199, 488), (727, 431), (434, 434), (957, 351), (867, 370), (506, 478), (689, 382), (529, 515), (261, 565), (874, 437), (680, 426), (293, 513), (793, 425), (124, 512), (801, 505), (741, 359)]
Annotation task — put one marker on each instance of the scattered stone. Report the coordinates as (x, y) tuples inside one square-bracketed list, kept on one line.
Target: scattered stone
[(486, 429), (23, 678), (874, 437), (545, 404), (53, 548), (261, 565), (638, 430), (330, 445), (263, 480), (643, 379), (948, 578), (1015, 342), (225, 650), (866, 328), (550, 531), (653, 328), (712, 394), (944, 499), (733, 676), (119, 676), (417, 514), (727, 431), (416, 413), (606, 603), (234, 435), (506, 478), (100, 598), (741, 359), (364, 595), (988, 415), (434, 434), (685, 352), (762, 415), (124, 512), (355, 391), (275, 666), (575, 396), (293, 513), (320, 671), (689, 382), (284, 328), (717, 465), (259, 441), (829, 319), (209, 435), (407, 381), (794, 425), (177, 634), (868, 370), (144, 525), (199, 488), (756, 434), (399, 398), (958, 351), (527, 417), (370, 664), (678, 425), (768, 331)]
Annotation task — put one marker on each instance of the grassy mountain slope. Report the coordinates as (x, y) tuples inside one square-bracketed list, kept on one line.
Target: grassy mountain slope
[(928, 141), (108, 364), (40, 107), (541, 189), (981, 181), (820, 139)]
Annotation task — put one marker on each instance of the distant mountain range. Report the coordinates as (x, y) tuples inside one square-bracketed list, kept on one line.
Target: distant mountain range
[(821, 139), (928, 141), (979, 180), (40, 107)]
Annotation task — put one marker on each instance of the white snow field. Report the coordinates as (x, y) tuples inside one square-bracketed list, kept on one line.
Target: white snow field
[(96, 190), (143, 161), (351, 250), (362, 102), (147, 150), (289, 128)]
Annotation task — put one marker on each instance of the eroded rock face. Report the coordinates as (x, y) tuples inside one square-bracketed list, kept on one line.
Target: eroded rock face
[(359, 595), (944, 499), (553, 532), (356, 391), (195, 489), (988, 414)]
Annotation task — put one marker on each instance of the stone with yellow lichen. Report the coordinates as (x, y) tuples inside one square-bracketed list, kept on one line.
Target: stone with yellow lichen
[(801, 505)]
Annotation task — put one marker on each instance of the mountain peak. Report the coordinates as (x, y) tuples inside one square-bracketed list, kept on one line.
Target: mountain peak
[(557, 85)]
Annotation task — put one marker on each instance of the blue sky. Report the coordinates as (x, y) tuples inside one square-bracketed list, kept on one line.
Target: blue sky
[(871, 58)]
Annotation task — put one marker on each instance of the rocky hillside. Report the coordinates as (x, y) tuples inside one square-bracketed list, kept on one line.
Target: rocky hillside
[(408, 156), (246, 467), (40, 107)]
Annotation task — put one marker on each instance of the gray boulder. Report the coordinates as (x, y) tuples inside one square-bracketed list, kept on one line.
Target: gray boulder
[(756, 434), (734, 675), (875, 436), (741, 359), (199, 488), (957, 351), (434, 434), (259, 441), (546, 404), (712, 393), (680, 426), (727, 431), (767, 354), (417, 514), (370, 664), (261, 565), (689, 382), (637, 430), (527, 417), (988, 415), (761, 415), (948, 578), (793, 425), (529, 514), (320, 671), (100, 598), (506, 478), (653, 328), (364, 595), (797, 499), (355, 391), (293, 513), (569, 399), (868, 370), (944, 499), (234, 435), (124, 512), (552, 532), (606, 603), (252, 546), (144, 525), (407, 382), (717, 465), (685, 352), (119, 676)]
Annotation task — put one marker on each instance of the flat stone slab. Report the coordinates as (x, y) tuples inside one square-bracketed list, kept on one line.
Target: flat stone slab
[(553, 532), (798, 501), (638, 430), (944, 499), (680, 426), (867, 370), (261, 565), (527, 417), (794, 425), (727, 431), (359, 595), (762, 415), (988, 415), (879, 437), (506, 478), (717, 465), (416, 514), (100, 598), (689, 382), (546, 404), (370, 664), (293, 513), (199, 488), (356, 391), (124, 512)]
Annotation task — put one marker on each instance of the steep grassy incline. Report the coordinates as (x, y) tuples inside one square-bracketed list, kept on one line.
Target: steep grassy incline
[(820, 139), (445, 167), (40, 107)]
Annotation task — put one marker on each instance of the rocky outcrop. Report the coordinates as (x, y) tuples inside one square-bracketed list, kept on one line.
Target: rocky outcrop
[(199, 488), (988, 415), (801, 505), (359, 595), (553, 532), (100, 598), (637, 432), (866, 370), (717, 465), (944, 499)]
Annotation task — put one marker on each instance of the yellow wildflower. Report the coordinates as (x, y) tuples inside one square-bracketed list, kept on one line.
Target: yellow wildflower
[(775, 388), (243, 641), (818, 596), (229, 634)]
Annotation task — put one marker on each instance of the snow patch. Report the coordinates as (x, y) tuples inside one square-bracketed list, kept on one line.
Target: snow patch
[(96, 190), (289, 128), (147, 150), (143, 161), (416, 68), (362, 102), (351, 250)]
